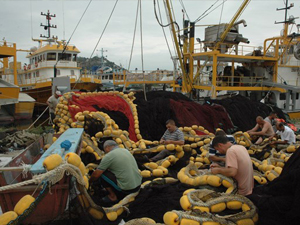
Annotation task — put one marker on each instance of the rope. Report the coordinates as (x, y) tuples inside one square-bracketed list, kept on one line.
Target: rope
[(52, 176), (37, 118)]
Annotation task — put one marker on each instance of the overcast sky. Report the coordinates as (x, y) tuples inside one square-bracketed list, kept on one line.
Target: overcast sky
[(20, 21)]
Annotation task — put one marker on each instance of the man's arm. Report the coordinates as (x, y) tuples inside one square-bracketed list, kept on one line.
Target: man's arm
[(216, 158), (254, 128), (96, 174), (263, 131), (226, 171), (174, 142)]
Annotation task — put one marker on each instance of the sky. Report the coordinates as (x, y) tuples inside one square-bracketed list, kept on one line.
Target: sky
[(20, 21)]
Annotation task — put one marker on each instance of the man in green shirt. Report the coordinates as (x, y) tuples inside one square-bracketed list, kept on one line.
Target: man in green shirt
[(118, 173)]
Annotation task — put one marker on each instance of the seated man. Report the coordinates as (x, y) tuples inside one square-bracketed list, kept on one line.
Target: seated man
[(171, 136), (216, 156), (287, 136), (117, 172), (238, 164), (271, 119), (266, 130)]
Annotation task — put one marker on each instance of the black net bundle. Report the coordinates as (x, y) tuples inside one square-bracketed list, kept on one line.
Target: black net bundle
[(278, 201), (162, 105), (243, 111)]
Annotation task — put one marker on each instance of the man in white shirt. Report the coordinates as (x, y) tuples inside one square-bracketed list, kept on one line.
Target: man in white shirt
[(287, 136)]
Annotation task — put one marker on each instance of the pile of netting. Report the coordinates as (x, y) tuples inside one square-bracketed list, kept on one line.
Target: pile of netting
[(243, 111), (174, 189), (161, 106)]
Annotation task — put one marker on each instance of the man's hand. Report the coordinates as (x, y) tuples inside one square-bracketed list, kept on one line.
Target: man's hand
[(162, 141), (215, 170), (214, 165)]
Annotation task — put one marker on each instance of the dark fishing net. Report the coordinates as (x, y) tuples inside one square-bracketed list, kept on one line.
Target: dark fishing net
[(278, 201), (161, 106), (117, 116), (243, 111)]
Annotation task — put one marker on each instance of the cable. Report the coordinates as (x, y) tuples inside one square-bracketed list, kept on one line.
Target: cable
[(164, 30), (142, 53), (181, 2), (100, 36), (133, 39), (63, 8), (210, 12), (220, 19), (199, 18), (31, 20), (65, 47), (104, 28)]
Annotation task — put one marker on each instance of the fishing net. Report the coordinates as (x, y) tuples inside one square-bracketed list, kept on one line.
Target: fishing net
[(243, 111), (161, 106), (278, 201)]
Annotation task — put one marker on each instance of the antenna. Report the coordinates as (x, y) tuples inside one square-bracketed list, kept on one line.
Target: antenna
[(48, 26), (286, 20)]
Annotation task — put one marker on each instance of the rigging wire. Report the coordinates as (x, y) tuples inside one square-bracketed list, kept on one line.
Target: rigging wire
[(142, 53), (99, 37), (211, 11), (199, 18), (182, 4), (63, 8), (65, 47), (104, 28), (133, 40), (31, 20), (220, 19), (164, 30)]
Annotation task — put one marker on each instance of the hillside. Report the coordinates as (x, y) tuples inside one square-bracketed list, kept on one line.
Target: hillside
[(96, 62)]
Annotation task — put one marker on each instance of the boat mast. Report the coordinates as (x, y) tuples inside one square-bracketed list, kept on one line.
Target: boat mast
[(48, 26)]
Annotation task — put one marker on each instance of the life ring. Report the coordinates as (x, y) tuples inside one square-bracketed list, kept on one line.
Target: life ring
[(24, 67), (29, 66), (36, 64)]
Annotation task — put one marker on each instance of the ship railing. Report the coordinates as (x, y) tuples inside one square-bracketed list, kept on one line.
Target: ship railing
[(240, 49), (6, 44), (247, 81)]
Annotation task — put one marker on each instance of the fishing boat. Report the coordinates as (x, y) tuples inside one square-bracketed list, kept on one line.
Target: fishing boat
[(50, 59), (14, 105), (29, 163), (269, 73)]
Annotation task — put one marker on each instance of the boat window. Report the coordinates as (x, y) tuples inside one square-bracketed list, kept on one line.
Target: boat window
[(282, 96), (43, 57), (72, 72), (57, 72), (110, 77), (51, 56), (74, 58), (37, 74), (64, 57), (29, 76), (33, 75), (106, 77), (25, 75)]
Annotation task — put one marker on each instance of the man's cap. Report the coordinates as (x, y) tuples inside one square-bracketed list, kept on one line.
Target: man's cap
[(58, 92), (109, 143)]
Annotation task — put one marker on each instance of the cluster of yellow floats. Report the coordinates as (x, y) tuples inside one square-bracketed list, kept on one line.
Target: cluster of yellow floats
[(200, 205)]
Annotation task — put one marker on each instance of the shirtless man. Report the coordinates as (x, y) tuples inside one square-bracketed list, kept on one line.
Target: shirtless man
[(266, 129)]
